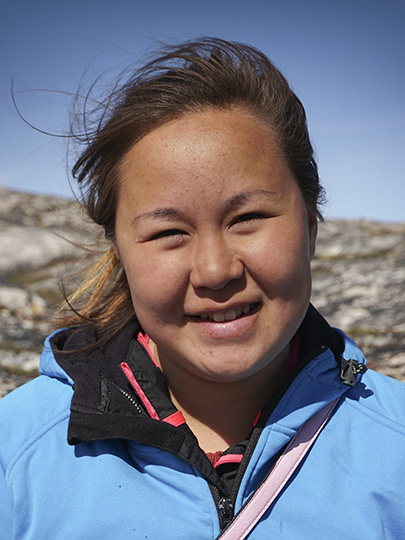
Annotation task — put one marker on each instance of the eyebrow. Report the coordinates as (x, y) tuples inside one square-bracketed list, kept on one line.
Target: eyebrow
[(239, 200), (167, 213), (161, 213)]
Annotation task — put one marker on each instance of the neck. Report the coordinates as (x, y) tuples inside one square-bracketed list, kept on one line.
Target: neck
[(222, 413)]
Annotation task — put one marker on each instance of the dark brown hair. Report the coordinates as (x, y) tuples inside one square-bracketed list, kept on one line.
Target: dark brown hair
[(179, 79)]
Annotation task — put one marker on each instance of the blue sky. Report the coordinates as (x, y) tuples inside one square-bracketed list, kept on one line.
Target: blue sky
[(345, 60)]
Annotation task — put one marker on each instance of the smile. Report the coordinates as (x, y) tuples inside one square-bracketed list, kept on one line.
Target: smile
[(230, 315)]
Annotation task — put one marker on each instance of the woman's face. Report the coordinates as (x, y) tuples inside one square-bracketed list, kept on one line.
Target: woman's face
[(216, 244)]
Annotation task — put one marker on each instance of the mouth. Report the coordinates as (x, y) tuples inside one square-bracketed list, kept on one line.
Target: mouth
[(230, 314)]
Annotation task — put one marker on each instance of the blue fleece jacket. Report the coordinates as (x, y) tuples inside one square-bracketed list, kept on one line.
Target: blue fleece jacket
[(351, 485)]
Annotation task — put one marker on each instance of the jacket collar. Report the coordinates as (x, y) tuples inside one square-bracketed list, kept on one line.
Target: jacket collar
[(106, 406), (101, 386)]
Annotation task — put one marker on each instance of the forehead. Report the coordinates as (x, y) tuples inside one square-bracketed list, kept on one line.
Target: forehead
[(213, 149)]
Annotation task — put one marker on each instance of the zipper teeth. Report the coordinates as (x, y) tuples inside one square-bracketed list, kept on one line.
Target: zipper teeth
[(131, 399), (244, 464)]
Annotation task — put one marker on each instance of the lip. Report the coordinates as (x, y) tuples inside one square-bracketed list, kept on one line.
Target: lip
[(226, 329)]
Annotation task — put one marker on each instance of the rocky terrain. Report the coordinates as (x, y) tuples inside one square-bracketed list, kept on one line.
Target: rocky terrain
[(359, 281)]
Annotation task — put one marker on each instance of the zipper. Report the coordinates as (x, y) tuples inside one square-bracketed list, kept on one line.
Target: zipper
[(224, 505), (225, 512), (131, 399)]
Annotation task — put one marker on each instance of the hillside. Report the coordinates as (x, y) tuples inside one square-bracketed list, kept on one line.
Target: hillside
[(359, 280)]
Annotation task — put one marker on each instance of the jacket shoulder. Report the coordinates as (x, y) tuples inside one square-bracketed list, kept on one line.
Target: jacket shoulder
[(30, 411), (381, 397)]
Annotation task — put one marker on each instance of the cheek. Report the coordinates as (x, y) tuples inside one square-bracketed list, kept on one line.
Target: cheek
[(156, 286), (282, 260)]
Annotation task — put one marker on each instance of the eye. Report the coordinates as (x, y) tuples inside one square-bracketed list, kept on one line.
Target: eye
[(169, 233), (249, 217)]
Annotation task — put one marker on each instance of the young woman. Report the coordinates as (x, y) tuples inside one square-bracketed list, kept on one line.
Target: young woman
[(194, 356)]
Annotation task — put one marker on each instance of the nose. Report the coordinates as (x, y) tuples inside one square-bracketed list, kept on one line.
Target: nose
[(215, 264)]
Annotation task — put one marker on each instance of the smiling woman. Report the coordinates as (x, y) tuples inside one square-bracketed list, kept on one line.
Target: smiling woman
[(195, 357)]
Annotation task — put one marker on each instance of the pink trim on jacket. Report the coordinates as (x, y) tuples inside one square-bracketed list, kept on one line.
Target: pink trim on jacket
[(229, 458), (175, 419), (144, 341), (130, 376)]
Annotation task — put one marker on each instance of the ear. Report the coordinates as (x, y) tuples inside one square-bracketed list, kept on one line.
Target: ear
[(312, 232)]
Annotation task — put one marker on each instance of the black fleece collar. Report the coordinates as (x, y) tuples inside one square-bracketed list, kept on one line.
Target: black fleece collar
[(106, 406)]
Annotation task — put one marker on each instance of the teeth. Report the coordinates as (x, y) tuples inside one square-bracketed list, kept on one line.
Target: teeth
[(229, 315)]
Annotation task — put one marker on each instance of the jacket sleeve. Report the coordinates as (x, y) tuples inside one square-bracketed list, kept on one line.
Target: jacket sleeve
[(9, 431), (6, 509)]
